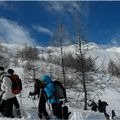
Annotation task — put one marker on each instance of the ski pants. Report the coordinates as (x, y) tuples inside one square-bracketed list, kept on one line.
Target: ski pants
[(3, 105), (57, 110), (6, 107), (15, 103), (10, 102), (42, 104)]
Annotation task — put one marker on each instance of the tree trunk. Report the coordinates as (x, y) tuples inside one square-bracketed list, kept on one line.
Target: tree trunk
[(63, 69), (85, 91)]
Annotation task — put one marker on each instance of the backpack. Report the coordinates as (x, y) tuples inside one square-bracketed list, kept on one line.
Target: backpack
[(16, 84), (59, 90)]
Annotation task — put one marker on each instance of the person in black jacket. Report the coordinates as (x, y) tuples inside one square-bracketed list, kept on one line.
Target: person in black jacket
[(113, 115), (38, 90), (37, 85), (93, 106), (102, 106)]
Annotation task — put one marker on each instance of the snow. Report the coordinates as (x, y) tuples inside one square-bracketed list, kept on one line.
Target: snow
[(29, 106), (111, 96), (103, 55)]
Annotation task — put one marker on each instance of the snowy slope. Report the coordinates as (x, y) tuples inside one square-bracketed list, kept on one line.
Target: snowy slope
[(29, 106), (103, 55)]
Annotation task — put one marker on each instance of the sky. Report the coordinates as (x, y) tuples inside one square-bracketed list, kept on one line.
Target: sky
[(35, 22)]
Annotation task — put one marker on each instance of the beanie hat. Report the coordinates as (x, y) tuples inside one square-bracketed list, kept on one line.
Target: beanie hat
[(46, 78), (36, 79), (11, 71), (1, 68)]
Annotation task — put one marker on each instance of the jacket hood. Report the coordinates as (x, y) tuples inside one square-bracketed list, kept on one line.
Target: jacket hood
[(46, 78)]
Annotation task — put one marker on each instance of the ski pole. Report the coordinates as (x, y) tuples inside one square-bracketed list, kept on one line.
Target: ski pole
[(21, 104)]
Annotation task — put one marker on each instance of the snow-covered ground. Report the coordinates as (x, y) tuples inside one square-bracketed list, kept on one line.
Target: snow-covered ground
[(29, 106)]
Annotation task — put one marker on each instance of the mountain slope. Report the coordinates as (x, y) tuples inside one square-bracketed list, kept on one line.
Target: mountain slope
[(103, 55)]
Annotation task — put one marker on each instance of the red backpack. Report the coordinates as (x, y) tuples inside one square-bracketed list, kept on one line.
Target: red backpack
[(16, 84)]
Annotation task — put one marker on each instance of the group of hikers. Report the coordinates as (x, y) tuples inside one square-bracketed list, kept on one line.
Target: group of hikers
[(49, 92), (101, 107), (47, 95), (44, 87)]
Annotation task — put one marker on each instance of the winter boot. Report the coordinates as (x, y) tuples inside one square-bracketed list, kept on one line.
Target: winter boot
[(7, 115), (40, 115), (18, 113), (65, 113)]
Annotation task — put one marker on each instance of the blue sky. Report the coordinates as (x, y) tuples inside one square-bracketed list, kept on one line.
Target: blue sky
[(35, 22)]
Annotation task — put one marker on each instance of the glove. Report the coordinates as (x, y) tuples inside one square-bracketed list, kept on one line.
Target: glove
[(65, 100)]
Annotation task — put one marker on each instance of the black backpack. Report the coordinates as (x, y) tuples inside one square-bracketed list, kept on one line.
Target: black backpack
[(59, 90)]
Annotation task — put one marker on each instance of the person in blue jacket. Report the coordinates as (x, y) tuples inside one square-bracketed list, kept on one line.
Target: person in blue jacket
[(52, 99)]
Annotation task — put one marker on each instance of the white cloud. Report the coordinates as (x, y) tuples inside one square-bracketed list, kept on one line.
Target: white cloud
[(12, 32), (58, 6), (116, 41), (41, 29), (69, 6)]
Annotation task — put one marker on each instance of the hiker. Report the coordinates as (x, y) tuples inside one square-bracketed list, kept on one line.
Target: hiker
[(1, 75), (113, 115), (8, 98), (54, 101), (15, 101), (93, 106), (38, 90), (102, 106), (6, 104), (2, 102), (60, 93)]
